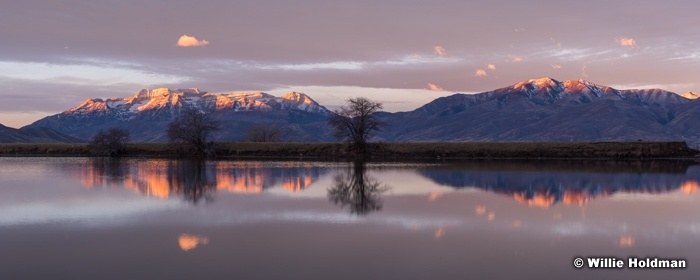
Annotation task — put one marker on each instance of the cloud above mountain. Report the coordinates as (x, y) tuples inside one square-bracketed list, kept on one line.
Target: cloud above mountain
[(627, 42), (434, 87), (191, 41), (440, 51)]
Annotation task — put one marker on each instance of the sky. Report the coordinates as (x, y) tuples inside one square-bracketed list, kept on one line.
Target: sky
[(404, 53)]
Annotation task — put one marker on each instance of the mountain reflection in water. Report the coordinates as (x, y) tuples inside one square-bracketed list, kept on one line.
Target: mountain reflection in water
[(534, 183), (545, 183), (196, 180)]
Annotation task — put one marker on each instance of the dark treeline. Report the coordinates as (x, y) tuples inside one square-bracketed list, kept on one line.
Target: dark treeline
[(442, 150)]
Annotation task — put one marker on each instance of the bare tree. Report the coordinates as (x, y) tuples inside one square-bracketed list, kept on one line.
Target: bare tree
[(355, 122), (111, 143), (193, 128), (263, 133)]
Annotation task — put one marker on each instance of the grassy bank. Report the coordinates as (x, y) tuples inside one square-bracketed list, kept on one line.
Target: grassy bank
[(385, 150)]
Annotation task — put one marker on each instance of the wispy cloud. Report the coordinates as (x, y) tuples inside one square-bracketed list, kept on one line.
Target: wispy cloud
[(687, 56), (516, 58), (556, 66), (491, 66), (573, 54), (85, 73), (336, 65), (414, 59), (627, 42), (434, 87), (191, 41), (480, 73), (440, 51), (677, 87)]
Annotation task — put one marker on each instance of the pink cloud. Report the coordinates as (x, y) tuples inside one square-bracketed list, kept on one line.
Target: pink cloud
[(627, 42), (434, 87), (191, 41), (440, 51), (556, 66), (480, 73), (516, 58), (491, 66)]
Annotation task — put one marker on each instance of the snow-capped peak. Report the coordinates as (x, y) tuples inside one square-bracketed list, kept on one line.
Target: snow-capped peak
[(94, 104), (548, 90), (299, 97), (538, 84), (164, 92), (164, 100), (248, 94), (303, 102), (552, 86), (690, 95), (545, 82)]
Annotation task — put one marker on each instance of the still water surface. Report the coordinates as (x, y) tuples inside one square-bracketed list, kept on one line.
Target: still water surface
[(82, 218)]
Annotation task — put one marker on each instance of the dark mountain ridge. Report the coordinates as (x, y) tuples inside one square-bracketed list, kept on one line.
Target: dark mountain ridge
[(34, 135), (546, 110)]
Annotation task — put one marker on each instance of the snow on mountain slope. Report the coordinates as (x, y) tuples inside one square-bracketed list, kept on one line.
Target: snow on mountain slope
[(147, 113), (548, 110), (690, 95), (534, 93), (550, 90), (176, 99), (303, 102)]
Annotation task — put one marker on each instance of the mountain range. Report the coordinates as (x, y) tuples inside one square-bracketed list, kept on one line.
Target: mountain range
[(533, 110), (544, 188), (147, 113), (549, 110)]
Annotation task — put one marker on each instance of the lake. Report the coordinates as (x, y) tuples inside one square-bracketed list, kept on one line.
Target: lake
[(87, 218)]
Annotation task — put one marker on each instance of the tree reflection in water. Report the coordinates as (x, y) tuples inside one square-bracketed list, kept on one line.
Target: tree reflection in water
[(190, 178), (359, 192), (109, 171)]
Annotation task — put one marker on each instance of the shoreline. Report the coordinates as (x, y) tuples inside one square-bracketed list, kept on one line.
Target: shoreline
[(382, 151)]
